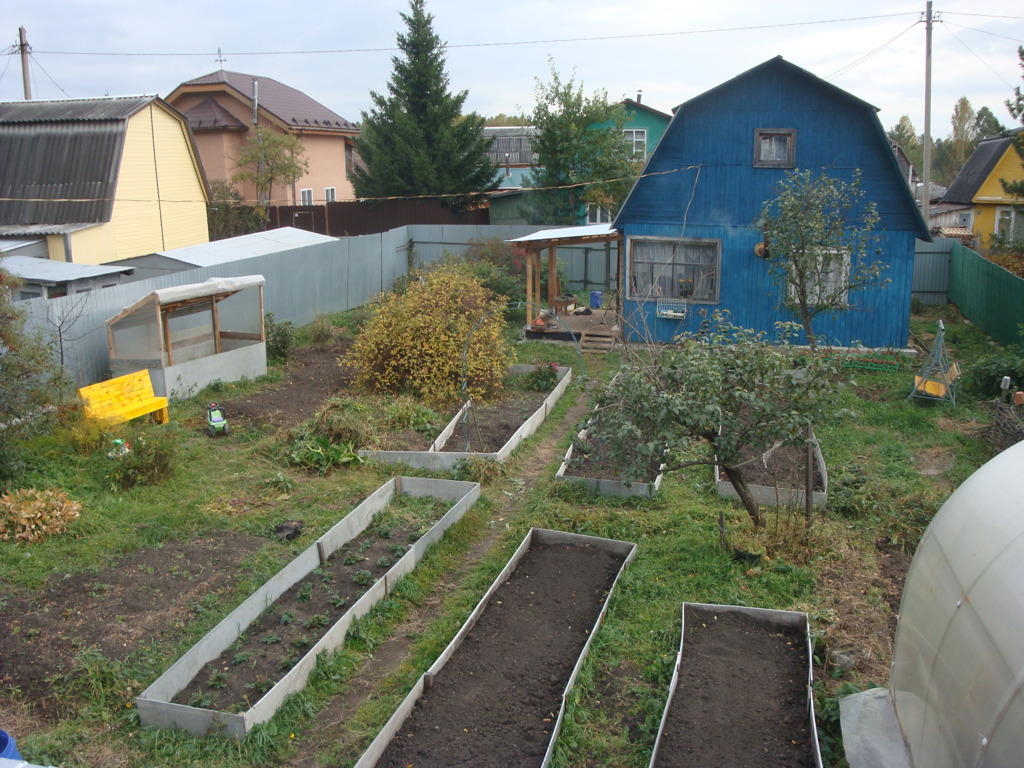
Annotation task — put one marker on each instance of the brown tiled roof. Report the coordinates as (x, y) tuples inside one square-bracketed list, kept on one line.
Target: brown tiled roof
[(286, 103), (208, 115)]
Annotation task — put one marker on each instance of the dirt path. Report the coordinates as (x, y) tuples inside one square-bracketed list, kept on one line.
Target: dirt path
[(329, 725)]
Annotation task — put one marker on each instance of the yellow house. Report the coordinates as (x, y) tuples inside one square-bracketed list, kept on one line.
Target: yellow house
[(100, 179), (221, 108), (978, 185)]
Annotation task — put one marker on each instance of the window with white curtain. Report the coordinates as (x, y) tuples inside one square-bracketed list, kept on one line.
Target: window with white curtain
[(774, 148), (675, 269)]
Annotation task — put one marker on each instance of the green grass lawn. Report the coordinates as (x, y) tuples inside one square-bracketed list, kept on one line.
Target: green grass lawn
[(241, 485)]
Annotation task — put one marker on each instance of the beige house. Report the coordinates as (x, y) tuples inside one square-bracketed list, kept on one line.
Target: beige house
[(99, 180), (220, 112)]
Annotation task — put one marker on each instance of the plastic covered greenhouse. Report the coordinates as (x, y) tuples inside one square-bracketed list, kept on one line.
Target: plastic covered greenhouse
[(956, 691), (190, 335)]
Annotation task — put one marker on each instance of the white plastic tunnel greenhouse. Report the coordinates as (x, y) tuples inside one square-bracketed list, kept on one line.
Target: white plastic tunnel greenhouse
[(191, 335), (956, 693)]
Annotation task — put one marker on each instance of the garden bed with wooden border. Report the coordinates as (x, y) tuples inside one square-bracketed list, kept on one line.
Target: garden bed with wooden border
[(438, 458), (497, 694), (156, 706), (741, 691)]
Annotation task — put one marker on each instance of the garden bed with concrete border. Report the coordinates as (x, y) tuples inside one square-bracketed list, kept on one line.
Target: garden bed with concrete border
[(607, 486), (437, 458), (156, 708), (785, 493), (497, 694)]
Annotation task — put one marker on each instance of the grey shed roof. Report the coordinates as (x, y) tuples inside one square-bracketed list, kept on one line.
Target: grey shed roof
[(50, 272), (978, 168), (60, 159), (246, 246), (516, 140), (286, 103)]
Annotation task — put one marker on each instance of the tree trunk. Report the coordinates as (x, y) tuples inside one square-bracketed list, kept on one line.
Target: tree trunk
[(805, 319), (749, 503), (723, 539)]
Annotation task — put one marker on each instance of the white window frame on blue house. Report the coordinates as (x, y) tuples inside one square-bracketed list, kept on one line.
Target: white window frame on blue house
[(677, 269), (830, 281)]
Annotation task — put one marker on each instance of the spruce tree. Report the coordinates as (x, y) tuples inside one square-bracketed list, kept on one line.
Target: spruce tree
[(415, 140)]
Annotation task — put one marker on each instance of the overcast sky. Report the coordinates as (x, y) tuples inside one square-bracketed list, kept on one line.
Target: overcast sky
[(337, 52)]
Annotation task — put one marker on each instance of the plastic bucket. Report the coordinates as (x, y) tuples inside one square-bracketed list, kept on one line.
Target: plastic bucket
[(7, 748), (595, 299)]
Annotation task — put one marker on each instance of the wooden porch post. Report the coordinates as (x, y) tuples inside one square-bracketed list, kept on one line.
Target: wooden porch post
[(529, 288), (554, 289)]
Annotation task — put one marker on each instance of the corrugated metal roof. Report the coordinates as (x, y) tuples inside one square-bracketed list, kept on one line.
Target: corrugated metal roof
[(515, 140), (61, 159), (49, 271), (286, 103), (40, 230), (245, 246), (208, 115), (63, 110), (978, 168)]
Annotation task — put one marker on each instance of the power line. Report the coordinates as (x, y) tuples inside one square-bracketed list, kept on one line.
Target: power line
[(955, 37), (982, 15), (986, 32), (603, 38), (843, 70), (36, 62)]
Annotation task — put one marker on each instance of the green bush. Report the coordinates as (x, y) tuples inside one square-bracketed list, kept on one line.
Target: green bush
[(280, 338), (316, 453), (543, 377), (147, 458), (981, 379)]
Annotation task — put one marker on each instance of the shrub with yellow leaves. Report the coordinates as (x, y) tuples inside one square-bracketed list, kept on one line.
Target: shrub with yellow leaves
[(31, 515), (414, 342)]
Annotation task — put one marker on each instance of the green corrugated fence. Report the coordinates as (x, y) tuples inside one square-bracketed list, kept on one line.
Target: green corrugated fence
[(988, 295)]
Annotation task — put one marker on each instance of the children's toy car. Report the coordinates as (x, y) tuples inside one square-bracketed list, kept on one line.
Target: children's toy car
[(216, 421)]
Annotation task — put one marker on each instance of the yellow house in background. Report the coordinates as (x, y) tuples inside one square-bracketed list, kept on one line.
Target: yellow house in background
[(100, 179), (220, 108), (978, 185)]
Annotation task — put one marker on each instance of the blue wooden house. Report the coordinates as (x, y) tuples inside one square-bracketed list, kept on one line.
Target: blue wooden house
[(690, 223)]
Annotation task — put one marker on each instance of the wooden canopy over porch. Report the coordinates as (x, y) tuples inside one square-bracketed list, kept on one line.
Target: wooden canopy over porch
[(550, 239)]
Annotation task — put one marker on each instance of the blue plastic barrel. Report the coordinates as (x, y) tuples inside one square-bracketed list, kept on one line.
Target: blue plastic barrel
[(595, 299), (7, 748)]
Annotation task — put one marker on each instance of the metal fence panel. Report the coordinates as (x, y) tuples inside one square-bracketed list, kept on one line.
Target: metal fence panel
[(988, 295), (931, 270), (322, 278)]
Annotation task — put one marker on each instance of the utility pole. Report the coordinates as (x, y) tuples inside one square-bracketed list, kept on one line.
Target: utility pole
[(24, 48), (927, 170)]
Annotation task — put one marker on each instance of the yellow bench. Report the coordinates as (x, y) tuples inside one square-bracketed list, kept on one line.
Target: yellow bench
[(123, 398), (939, 386)]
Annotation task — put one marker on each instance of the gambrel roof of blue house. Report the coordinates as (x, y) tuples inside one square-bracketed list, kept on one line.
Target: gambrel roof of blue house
[(770, 69), (690, 222)]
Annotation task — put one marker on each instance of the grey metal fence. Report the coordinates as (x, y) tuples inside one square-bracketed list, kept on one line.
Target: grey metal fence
[(931, 270), (327, 277)]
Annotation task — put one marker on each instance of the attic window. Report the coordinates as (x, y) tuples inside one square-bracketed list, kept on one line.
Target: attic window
[(774, 148)]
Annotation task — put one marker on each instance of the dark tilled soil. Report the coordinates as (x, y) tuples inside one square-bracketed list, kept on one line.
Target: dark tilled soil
[(785, 467), (286, 630), (488, 426), (147, 596), (496, 701), (594, 465), (314, 374), (741, 699)]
